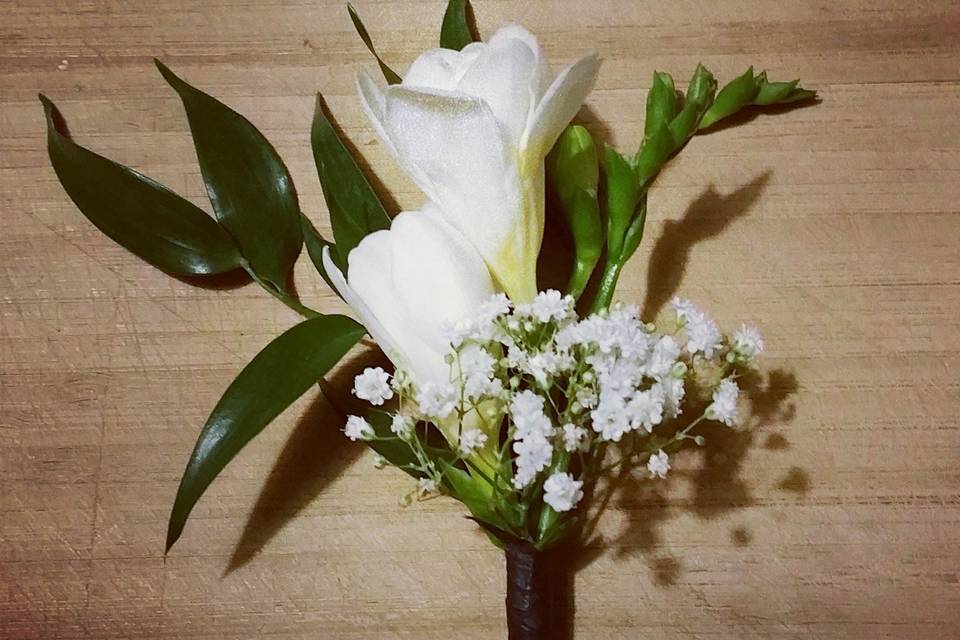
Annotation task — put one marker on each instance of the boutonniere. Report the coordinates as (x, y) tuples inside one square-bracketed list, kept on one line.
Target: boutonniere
[(515, 398)]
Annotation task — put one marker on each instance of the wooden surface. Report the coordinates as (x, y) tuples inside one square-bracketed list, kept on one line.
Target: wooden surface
[(834, 514)]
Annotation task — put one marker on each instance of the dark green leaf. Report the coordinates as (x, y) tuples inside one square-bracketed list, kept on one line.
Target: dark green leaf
[(138, 213), (388, 73), (273, 380), (315, 244), (249, 187), (355, 209), (456, 32), (737, 94)]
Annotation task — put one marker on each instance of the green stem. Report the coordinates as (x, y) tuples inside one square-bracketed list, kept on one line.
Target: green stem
[(285, 298), (608, 284)]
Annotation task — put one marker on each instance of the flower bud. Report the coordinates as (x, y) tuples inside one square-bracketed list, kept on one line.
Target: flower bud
[(738, 93), (379, 462), (661, 103)]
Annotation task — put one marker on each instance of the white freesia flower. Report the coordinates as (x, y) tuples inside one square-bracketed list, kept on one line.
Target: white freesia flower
[(472, 128), (407, 283)]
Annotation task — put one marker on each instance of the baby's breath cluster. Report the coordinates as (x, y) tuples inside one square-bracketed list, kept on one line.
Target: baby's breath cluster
[(539, 403)]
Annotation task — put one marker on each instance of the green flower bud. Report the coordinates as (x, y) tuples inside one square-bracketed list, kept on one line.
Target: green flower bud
[(661, 103), (738, 94), (700, 94)]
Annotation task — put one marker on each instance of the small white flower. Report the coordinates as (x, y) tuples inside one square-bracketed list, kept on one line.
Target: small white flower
[(476, 361), (427, 486), (358, 429), (662, 357), (672, 391), (401, 426), (703, 335), (373, 385), (562, 492), (471, 440), (646, 409), (534, 453), (747, 342), (437, 400), (551, 305), (575, 438), (495, 306), (724, 406), (658, 464)]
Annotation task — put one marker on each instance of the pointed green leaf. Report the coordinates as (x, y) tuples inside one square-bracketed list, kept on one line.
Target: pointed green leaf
[(355, 209), (455, 33), (249, 187), (136, 212), (388, 73), (270, 383)]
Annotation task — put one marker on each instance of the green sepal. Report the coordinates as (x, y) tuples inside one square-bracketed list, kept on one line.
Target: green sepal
[(573, 173), (620, 197), (655, 152), (780, 92), (455, 32), (136, 212), (700, 93), (355, 209), (634, 234), (661, 103), (276, 377), (737, 94), (249, 187), (389, 74)]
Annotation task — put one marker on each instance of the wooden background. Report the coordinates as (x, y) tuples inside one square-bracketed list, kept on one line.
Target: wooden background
[(835, 513)]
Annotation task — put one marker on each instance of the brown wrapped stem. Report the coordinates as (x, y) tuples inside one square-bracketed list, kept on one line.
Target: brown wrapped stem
[(537, 600)]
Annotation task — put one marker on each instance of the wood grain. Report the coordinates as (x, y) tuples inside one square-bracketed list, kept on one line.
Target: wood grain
[(835, 514)]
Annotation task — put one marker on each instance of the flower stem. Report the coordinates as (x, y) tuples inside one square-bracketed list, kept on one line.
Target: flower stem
[(285, 298), (608, 284)]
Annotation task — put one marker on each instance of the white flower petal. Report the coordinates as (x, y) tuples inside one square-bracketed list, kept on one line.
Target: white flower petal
[(453, 148), (505, 77), (559, 105), (439, 277), (435, 69)]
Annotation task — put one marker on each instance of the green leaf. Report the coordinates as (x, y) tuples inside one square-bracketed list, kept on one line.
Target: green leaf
[(249, 187), (455, 33), (388, 73), (355, 209), (315, 244), (473, 492), (136, 212), (737, 94), (270, 383)]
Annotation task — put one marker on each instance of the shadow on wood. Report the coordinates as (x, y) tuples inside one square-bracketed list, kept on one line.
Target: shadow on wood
[(316, 454), (707, 217)]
